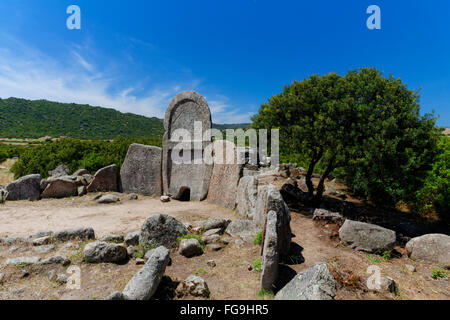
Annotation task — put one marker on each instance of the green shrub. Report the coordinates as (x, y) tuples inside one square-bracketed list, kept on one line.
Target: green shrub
[(438, 273), (387, 255), (76, 154), (193, 236), (257, 265), (258, 238)]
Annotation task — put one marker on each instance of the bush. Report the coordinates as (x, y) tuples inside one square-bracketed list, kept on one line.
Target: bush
[(258, 238), (76, 154), (434, 196), (257, 265)]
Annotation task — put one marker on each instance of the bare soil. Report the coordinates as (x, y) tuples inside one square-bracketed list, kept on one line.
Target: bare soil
[(230, 279)]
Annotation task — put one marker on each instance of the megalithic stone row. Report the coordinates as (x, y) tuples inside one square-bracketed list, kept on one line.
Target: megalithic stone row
[(225, 174), (141, 170)]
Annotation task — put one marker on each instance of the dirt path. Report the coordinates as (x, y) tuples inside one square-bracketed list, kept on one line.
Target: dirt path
[(21, 218)]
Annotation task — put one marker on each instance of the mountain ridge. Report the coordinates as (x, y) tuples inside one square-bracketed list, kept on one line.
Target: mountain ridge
[(22, 118)]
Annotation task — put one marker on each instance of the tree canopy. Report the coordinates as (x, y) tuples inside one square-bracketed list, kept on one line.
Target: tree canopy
[(363, 123)]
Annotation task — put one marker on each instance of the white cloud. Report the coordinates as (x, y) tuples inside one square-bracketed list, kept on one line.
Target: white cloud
[(28, 73)]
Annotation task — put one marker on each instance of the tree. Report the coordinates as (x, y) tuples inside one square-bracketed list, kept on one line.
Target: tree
[(361, 120)]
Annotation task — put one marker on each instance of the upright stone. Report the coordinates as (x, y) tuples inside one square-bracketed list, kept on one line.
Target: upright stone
[(182, 178), (270, 255), (141, 170), (25, 188), (247, 194), (105, 180), (225, 175)]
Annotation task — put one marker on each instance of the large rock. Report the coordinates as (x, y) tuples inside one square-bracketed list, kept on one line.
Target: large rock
[(105, 180), (225, 175), (314, 283), (144, 283), (25, 188), (71, 234), (141, 170), (101, 251), (190, 175), (276, 203), (60, 187), (430, 247), (259, 215), (366, 237), (270, 254), (190, 248), (246, 229), (60, 171), (162, 230), (247, 194)]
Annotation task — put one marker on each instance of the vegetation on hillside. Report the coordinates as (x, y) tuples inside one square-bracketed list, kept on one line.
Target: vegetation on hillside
[(364, 127), (20, 118), (76, 154)]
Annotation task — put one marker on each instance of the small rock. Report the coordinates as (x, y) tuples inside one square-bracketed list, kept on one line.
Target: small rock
[(193, 285), (225, 240), (211, 263), (109, 198), (71, 234), (132, 196), (112, 238), (214, 247), (211, 239), (239, 242), (81, 172), (116, 296), (212, 232), (410, 267), (131, 250), (98, 196), (62, 278), (132, 238), (140, 261), (388, 284), (2, 276), (190, 248), (44, 249), (165, 199), (51, 274), (70, 246), (62, 260), (42, 241), (100, 251), (22, 261), (322, 214), (209, 224)]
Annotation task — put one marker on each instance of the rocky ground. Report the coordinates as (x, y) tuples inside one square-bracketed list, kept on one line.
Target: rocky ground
[(231, 276)]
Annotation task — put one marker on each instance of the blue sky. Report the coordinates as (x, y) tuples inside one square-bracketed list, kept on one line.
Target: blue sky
[(134, 56)]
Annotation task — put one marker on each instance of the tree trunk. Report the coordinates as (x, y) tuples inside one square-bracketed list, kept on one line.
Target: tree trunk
[(321, 186), (309, 184)]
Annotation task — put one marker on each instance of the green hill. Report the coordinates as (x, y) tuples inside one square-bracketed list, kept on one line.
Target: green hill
[(21, 118)]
